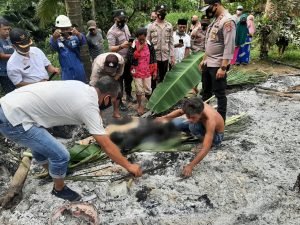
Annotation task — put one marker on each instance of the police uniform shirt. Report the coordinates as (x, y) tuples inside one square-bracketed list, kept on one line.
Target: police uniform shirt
[(220, 40)]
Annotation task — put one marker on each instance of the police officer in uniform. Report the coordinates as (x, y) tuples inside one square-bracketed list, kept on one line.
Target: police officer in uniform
[(219, 49)]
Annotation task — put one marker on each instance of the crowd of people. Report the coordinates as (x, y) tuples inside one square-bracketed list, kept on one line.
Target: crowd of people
[(144, 58)]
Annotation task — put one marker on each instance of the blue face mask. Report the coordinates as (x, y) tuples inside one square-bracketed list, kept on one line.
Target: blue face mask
[(103, 106)]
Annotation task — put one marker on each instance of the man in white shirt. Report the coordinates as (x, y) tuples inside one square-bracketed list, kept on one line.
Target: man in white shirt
[(27, 111), (27, 64), (182, 41)]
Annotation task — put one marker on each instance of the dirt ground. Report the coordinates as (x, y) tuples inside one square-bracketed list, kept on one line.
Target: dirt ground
[(248, 180)]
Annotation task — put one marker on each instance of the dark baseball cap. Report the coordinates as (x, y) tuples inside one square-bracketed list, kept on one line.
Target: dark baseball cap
[(119, 13), (208, 3), (20, 38), (111, 64)]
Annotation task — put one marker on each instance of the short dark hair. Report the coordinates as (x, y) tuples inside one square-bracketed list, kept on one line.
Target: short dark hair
[(4, 22), (108, 85), (141, 31), (193, 106)]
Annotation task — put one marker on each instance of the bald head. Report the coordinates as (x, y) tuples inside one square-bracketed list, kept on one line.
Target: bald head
[(195, 19)]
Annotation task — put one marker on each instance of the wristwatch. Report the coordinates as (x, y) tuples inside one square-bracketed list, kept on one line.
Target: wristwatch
[(120, 47), (224, 68)]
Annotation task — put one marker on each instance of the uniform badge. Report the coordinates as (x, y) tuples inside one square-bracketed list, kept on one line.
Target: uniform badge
[(228, 26)]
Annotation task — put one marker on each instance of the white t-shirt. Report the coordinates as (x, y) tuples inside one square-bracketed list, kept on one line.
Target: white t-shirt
[(179, 52), (54, 103), (28, 69)]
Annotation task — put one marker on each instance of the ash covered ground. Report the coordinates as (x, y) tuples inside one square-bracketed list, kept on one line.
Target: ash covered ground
[(247, 180)]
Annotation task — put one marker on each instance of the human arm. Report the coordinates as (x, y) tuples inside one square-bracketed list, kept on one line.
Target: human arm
[(171, 115), (4, 56), (114, 154), (51, 69), (120, 71), (54, 43), (187, 51), (201, 64), (206, 146), (171, 47)]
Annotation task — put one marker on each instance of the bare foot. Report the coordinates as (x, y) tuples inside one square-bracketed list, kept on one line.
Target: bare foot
[(116, 115), (140, 110)]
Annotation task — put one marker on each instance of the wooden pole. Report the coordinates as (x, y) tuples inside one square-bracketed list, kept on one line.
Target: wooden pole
[(14, 194)]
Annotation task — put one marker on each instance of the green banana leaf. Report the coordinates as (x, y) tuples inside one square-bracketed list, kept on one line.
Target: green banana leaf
[(177, 83)]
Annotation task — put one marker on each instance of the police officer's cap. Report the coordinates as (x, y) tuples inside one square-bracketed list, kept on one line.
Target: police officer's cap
[(208, 3), (161, 8), (119, 13)]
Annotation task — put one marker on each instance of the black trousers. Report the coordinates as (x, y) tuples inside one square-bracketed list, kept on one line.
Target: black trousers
[(162, 70), (126, 80), (212, 86), (6, 84)]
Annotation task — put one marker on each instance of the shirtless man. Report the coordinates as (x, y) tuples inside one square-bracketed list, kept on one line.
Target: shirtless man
[(202, 121)]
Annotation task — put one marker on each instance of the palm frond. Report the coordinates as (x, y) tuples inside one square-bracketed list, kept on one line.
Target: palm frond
[(46, 10), (177, 83)]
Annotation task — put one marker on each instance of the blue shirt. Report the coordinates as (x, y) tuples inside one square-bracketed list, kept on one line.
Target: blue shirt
[(6, 48), (69, 58)]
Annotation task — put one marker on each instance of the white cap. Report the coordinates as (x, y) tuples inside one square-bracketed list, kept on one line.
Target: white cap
[(62, 21), (240, 7)]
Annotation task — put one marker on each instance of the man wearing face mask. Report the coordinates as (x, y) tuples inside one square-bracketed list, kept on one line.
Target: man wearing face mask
[(219, 49), (239, 12), (153, 17), (195, 23), (118, 41), (27, 64), (198, 35), (66, 40), (108, 64), (27, 111), (160, 33)]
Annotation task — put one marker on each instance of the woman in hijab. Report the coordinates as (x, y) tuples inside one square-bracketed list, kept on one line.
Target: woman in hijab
[(244, 51), (240, 39)]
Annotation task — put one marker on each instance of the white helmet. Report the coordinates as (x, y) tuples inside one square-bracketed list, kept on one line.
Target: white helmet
[(62, 21)]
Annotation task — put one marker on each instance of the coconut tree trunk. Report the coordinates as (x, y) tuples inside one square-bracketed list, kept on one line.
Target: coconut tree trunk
[(73, 8)]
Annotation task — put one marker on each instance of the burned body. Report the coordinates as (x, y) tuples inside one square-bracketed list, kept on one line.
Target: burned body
[(145, 130)]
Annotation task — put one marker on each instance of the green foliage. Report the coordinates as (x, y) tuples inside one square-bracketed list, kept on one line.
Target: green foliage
[(47, 16), (177, 82)]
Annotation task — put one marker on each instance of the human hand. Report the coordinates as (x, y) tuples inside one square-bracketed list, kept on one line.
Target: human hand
[(56, 70), (56, 34), (75, 31), (161, 119), (125, 44), (187, 171), (172, 60), (201, 65), (179, 45), (220, 73), (154, 76), (135, 170)]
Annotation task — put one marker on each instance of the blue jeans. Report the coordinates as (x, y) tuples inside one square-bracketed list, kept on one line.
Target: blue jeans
[(197, 130), (45, 148)]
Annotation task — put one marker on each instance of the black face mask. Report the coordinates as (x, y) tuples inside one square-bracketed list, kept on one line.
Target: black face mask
[(210, 13), (162, 16), (103, 106), (204, 26), (194, 22), (152, 20), (121, 24)]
